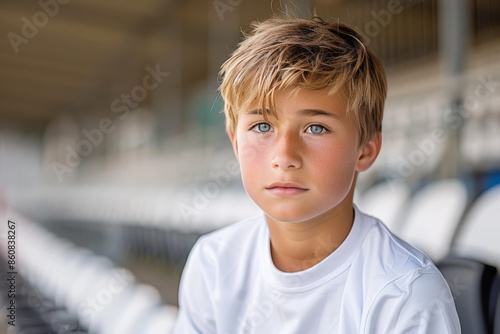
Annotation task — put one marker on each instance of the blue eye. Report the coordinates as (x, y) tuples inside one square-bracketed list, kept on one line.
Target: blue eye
[(263, 127), (316, 129)]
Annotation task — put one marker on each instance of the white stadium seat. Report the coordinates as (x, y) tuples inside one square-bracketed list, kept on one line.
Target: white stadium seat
[(385, 201), (433, 216), (479, 236)]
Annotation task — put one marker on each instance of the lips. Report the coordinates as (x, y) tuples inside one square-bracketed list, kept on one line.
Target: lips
[(286, 188)]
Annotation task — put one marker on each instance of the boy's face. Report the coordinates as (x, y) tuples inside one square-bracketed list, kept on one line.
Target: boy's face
[(300, 165)]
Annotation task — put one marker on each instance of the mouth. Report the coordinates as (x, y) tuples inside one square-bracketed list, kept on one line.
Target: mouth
[(286, 189)]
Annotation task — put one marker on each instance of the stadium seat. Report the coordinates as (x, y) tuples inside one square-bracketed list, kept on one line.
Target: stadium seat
[(160, 320), (479, 233), (84, 281), (433, 216), (475, 289), (126, 309), (385, 201), (496, 325)]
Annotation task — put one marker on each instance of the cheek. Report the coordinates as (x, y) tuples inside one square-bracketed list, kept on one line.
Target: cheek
[(336, 166), (251, 152), (250, 159), (247, 153), (251, 164)]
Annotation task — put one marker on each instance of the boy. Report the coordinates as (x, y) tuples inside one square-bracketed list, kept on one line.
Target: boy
[(304, 103)]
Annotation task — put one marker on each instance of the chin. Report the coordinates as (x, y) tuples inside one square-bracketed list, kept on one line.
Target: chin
[(289, 216)]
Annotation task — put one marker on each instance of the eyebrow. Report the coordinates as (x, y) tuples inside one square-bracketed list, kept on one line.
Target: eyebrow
[(257, 112), (316, 112), (302, 112)]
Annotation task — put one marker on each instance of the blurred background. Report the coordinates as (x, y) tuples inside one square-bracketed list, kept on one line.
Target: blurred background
[(114, 157)]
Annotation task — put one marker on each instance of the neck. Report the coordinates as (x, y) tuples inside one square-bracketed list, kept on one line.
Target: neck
[(299, 246)]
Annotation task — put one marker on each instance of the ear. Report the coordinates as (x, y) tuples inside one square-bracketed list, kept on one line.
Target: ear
[(369, 152), (232, 138)]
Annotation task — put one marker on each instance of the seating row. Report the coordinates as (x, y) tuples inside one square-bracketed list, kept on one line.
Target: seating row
[(440, 218), (103, 298)]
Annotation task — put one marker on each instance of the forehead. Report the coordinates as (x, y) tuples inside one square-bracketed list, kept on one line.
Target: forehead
[(300, 101)]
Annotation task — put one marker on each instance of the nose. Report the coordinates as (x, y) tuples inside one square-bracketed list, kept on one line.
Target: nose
[(286, 152)]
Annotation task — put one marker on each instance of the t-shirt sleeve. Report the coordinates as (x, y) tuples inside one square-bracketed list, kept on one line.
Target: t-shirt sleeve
[(419, 302), (196, 309)]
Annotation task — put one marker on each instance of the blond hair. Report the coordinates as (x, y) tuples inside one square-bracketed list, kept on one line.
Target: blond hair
[(283, 53)]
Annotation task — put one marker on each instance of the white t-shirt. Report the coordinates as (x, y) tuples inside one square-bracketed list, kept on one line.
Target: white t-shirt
[(372, 283)]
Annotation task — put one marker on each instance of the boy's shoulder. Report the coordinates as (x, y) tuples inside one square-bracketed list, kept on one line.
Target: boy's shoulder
[(387, 261), (391, 252)]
